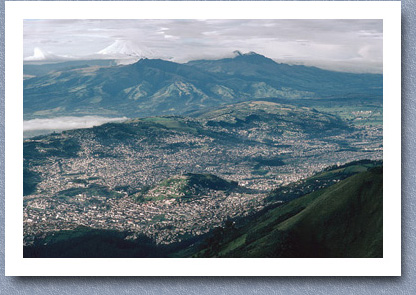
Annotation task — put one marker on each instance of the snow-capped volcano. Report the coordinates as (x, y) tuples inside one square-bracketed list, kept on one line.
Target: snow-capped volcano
[(126, 49)]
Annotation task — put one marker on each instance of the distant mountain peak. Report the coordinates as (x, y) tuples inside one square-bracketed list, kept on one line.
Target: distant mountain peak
[(155, 62), (237, 53), (126, 49), (251, 56), (252, 53)]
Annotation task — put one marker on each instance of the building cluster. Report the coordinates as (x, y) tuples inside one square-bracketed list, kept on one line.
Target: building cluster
[(126, 167)]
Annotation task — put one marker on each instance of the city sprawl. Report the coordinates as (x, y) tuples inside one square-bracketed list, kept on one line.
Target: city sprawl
[(115, 176)]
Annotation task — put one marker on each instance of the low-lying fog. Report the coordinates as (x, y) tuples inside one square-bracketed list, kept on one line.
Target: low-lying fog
[(37, 127)]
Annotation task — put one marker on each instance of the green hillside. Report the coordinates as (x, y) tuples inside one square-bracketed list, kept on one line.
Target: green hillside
[(323, 179), (185, 186), (280, 118), (343, 220)]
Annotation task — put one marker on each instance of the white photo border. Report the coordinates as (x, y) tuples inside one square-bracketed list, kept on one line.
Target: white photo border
[(388, 11)]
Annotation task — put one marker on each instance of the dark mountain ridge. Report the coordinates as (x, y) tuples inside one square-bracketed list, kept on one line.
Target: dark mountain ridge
[(280, 74), (343, 220), (154, 86)]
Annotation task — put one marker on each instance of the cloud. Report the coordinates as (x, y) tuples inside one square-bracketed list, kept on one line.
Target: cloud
[(336, 41), (67, 123), (41, 55), (38, 54)]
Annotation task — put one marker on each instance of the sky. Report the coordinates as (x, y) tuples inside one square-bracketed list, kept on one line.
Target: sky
[(342, 45)]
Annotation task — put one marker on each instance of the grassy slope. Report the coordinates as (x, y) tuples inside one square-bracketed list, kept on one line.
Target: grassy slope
[(344, 220), (185, 186)]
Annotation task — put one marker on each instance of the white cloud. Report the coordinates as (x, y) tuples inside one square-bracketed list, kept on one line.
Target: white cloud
[(67, 123), (171, 37), (38, 54)]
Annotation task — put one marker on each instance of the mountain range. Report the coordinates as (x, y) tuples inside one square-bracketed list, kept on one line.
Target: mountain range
[(152, 87)]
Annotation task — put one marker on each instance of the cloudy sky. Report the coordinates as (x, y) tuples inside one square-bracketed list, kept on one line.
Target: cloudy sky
[(346, 45)]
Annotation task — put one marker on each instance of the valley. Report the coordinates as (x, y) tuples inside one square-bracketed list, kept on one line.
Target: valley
[(206, 148), (95, 177)]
